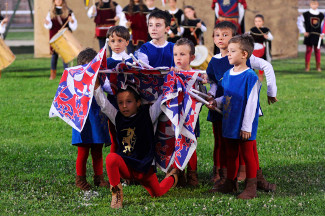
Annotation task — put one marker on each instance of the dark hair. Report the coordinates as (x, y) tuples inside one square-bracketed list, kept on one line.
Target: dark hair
[(245, 41), (130, 90), (142, 7), (120, 31), (188, 7), (86, 55), (227, 24), (185, 41), (260, 16), (159, 14)]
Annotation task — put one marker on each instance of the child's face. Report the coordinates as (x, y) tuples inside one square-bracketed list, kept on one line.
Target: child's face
[(221, 37), (127, 103), (189, 13), (157, 28), (182, 57), (58, 2), (313, 5), (258, 22), (117, 43), (150, 3), (172, 3), (236, 56)]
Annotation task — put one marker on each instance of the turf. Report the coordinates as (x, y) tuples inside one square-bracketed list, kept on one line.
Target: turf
[(37, 162)]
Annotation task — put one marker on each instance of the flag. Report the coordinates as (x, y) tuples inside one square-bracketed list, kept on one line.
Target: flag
[(75, 92), (182, 110)]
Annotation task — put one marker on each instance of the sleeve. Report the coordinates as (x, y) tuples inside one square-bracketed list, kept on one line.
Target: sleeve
[(250, 109), (181, 32), (241, 11), (269, 36), (213, 89), (155, 110), (48, 18), (106, 107), (203, 27), (142, 55), (121, 15), (216, 10), (261, 64), (73, 26), (2, 28), (219, 102), (300, 24), (90, 12)]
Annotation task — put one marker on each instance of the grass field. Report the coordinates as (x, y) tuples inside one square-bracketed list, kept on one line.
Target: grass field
[(37, 162)]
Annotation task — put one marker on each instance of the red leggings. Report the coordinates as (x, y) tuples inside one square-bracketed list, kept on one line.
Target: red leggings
[(309, 50), (112, 132), (247, 148), (219, 152), (117, 168), (97, 158)]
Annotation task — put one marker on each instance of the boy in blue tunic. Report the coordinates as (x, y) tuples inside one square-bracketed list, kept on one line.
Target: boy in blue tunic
[(92, 137), (240, 115), (218, 65)]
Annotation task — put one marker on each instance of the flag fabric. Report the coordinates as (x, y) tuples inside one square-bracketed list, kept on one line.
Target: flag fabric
[(182, 110), (75, 92)]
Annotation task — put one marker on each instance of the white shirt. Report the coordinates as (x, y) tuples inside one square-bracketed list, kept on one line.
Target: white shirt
[(73, 26), (118, 10)]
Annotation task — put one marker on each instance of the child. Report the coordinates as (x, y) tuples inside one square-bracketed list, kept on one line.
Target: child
[(218, 65), (309, 24), (176, 29), (151, 8), (92, 137), (240, 115), (135, 152), (135, 13), (193, 27), (106, 13), (58, 15), (184, 51), (262, 37), (3, 24)]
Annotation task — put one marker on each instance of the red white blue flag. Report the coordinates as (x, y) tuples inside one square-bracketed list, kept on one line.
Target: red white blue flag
[(75, 92), (182, 110)]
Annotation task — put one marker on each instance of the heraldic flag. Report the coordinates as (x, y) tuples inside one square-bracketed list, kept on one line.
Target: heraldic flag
[(75, 92)]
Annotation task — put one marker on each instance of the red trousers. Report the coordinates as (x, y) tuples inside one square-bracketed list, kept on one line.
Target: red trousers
[(219, 151), (97, 158), (247, 151), (117, 168), (309, 50)]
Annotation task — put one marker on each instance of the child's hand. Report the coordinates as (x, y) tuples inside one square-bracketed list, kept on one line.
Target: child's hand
[(97, 84), (4, 21), (175, 69), (70, 19), (179, 29), (271, 99), (172, 35), (128, 24), (198, 25), (306, 34), (322, 36), (266, 37), (45, 21), (116, 18), (212, 104), (245, 135)]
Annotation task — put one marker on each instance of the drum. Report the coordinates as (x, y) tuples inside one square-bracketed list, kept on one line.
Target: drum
[(66, 45), (6, 56), (202, 58), (259, 50), (101, 31)]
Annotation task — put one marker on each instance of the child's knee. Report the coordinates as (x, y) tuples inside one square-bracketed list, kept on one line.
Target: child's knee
[(112, 159)]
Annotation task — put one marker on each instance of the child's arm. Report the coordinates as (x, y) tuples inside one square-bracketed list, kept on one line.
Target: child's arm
[(250, 111), (92, 12), (48, 23), (155, 110), (106, 107), (261, 64), (301, 27), (73, 24), (269, 36), (142, 55)]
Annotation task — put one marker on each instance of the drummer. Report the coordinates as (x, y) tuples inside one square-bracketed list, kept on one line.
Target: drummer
[(56, 18), (3, 24), (193, 27), (106, 13)]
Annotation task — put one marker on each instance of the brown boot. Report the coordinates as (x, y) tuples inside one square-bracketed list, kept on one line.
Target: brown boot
[(230, 186), (221, 181), (192, 178), (53, 75), (117, 196), (81, 182), (99, 181), (181, 179), (241, 175), (216, 175), (250, 189), (262, 184), (307, 66), (318, 67), (173, 172)]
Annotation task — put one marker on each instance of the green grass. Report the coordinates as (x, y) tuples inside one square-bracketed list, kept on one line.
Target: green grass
[(20, 35), (37, 162)]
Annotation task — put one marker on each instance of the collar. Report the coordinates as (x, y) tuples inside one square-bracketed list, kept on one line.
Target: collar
[(58, 7), (152, 8), (232, 73), (173, 12), (162, 46), (218, 56), (120, 56), (314, 12)]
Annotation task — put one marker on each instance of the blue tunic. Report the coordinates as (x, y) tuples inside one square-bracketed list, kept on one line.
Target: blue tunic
[(95, 130), (159, 56), (217, 67), (237, 89)]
